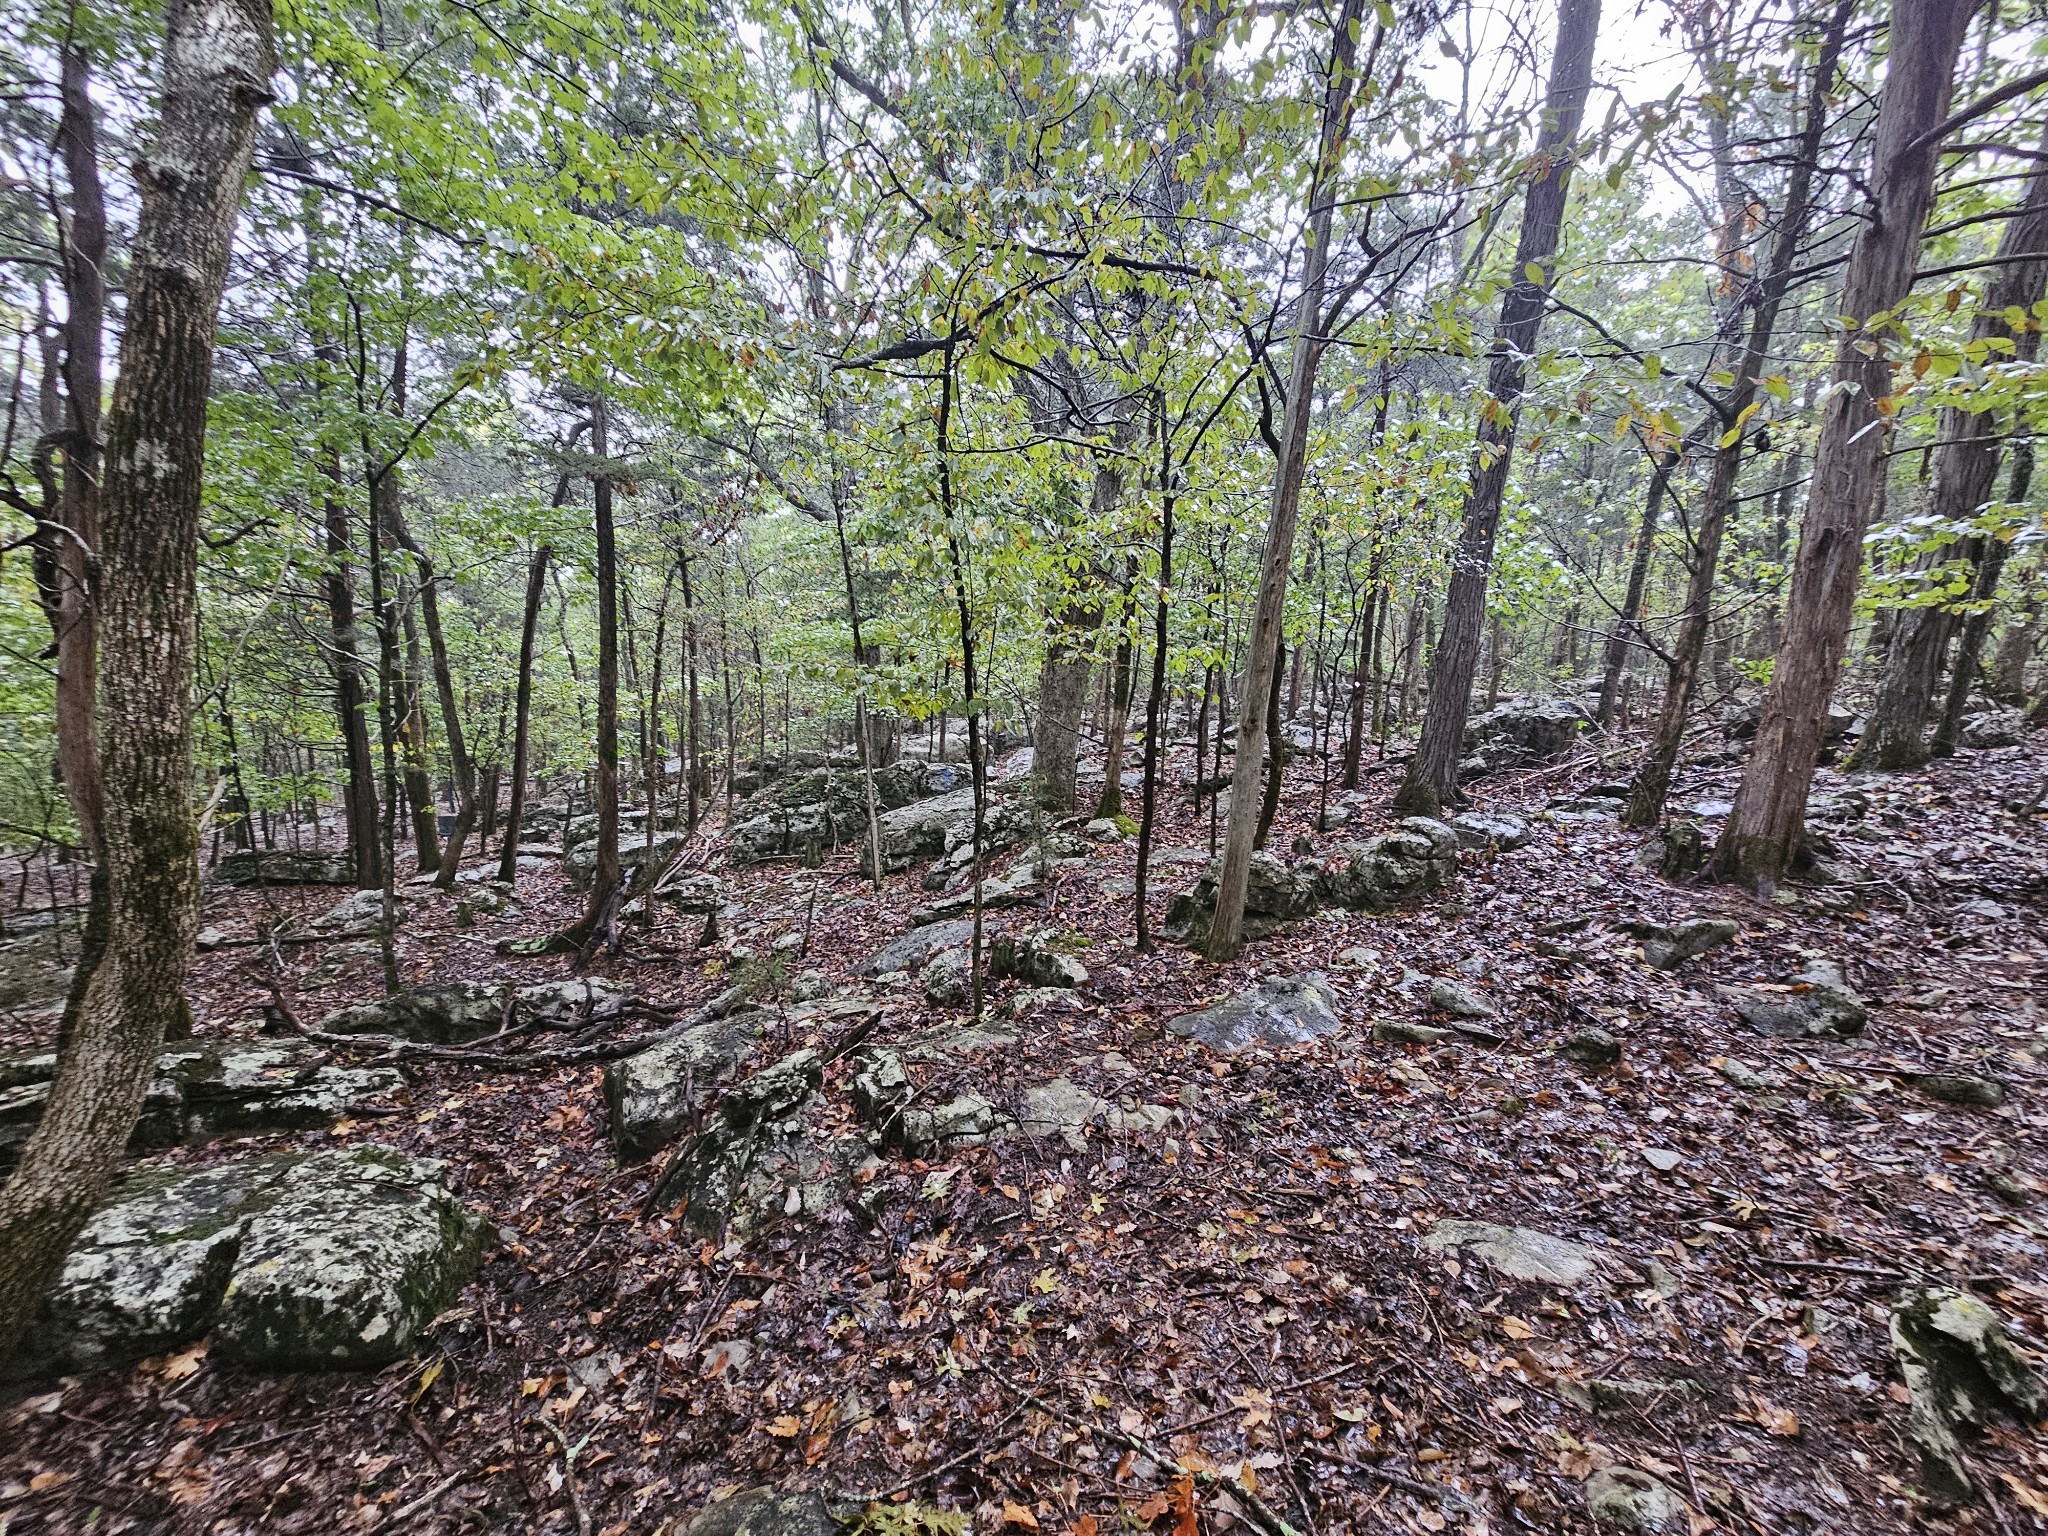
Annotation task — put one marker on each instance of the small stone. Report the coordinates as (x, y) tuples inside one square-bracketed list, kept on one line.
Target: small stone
[(1634, 1501), (1663, 1159), (1960, 1366), (207, 940), (1592, 1047), (765, 1512), (1458, 1000), (1962, 1088), (1818, 1005), (949, 978), (1403, 1032), (1741, 1075), (1492, 829), (1103, 830), (1036, 1000), (1665, 949), (1521, 1253)]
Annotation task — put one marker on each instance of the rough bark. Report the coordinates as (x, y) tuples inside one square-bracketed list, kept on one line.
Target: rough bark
[(217, 65), (1652, 784), (1763, 832), (351, 698), (1069, 656), (605, 879), (1122, 684), (412, 736), (1263, 652), (1432, 777), (1965, 474), (1156, 702), (522, 709)]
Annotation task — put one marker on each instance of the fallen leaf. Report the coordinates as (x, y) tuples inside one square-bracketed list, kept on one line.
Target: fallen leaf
[(786, 1426), (185, 1363), (1017, 1514), (2032, 1498), (1515, 1328)]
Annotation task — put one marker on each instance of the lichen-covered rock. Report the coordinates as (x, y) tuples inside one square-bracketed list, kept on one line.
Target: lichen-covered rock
[(753, 1140), (942, 829), (701, 894), (1960, 1368), (333, 1259), (765, 1512), (1819, 1004), (1994, 727), (1521, 733), (574, 999), (1627, 1499), (1020, 887), (1276, 893), (1419, 856), (278, 866), (443, 1013), (1520, 1253), (1280, 1011), (1492, 829), (656, 1094), (357, 914), (1593, 1047), (1667, 948), (949, 978), (1458, 1000), (808, 812), (1965, 1088), (579, 863), (1033, 959), (914, 950), (356, 1254), (1675, 850), (885, 1098)]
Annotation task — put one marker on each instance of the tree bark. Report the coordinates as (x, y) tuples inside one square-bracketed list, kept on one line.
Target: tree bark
[(217, 67), (1965, 474), (412, 735), (1122, 684), (351, 699), (605, 880), (1763, 832), (1432, 777), (1226, 930), (1615, 662), (1652, 784), (1156, 703), (522, 709), (1069, 660)]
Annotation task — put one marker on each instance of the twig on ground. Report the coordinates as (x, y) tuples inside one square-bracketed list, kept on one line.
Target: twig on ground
[(569, 1479)]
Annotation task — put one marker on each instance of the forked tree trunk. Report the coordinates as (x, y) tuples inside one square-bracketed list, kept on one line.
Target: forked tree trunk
[(217, 68), (1432, 777), (1763, 832), (1226, 929)]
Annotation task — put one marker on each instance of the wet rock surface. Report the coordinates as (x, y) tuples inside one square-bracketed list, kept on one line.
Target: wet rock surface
[(1519, 1253), (330, 1260), (1418, 857), (1280, 1011), (1667, 948), (1962, 1370), (1818, 1003)]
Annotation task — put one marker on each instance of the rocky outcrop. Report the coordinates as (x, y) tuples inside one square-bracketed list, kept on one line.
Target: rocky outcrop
[(208, 1090), (887, 1101), (913, 950), (579, 863), (278, 866), (452, 1012), (1276, 893), (657, 1094), (1521, 733), (942, 829), (1667, 948), (810, 811), (1960, 1368), (1994, 727), (1419, 856), (329, 1260), (1818, 1004), (1280, 1011), (1033, 959), (1492, 829)]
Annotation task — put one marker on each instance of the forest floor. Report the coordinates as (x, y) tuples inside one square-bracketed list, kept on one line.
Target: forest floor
[(1247, 1291)]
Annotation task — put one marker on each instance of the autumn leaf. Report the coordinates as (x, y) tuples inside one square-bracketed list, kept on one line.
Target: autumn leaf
[(1017, 1514), (2032, 1498), (1778, 1421), (1184, 1507), (1515, 1328), (785, 1426), (1154, 1507), (185, 1363), (1085, 1526)]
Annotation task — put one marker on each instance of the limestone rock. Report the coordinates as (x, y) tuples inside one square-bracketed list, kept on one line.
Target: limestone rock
[(914, 950), (358, 914), (657, 1094), (1419, 856), (1520, 1253), (278, 866), (942, 828), (1520, 733), (1276, 894), (1458, 1000), (703, 894), (1031, 958), (1675, 850), (1964, 1088), (1280, 1011), (443, 1013), (765, 1512), (1960, 1367), (1994, 727), (1403, 1032), (1492, 829), (1019, 888), (1061, 1108), (574, 999), (949, 977), (1630, 1500), (824, 807), (752, 1152), (1031, 1001), (1592, 1047), (580, 862), (333, 1259), (1665, 949), (1820, 1005)]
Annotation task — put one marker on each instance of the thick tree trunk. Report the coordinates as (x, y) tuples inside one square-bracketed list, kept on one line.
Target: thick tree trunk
[(1226, 929), (522, 709), (1652, 784), (217, 67), (605, 881), (1763, 832), (1965, 474), (1122, 683), (1069, 659), (1432, 778)]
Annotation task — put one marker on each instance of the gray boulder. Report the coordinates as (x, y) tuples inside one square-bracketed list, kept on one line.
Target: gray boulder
[(1520, 1253), (949, 978), (442, 1013), (942, 829), (1820, 1006), (579, 863), (357, 914), (1492, 829), (824, 807), (1419, 856), (1592, 1047), (703, 894), (1627, 1499), (1276, 893), (1965, 1088), (913, 950), (1280, 1011), (1665, 949), (277, 866), (753, 1161), (1031, 958), (1521, 733), (1960, 1367), (765, 1512), (335, 1259), (1014, 891), (208, 1090), (1994, 727), (657, 1094), (574, 999), (1458, 1000)]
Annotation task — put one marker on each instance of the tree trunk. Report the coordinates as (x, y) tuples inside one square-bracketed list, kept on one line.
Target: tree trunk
[(1122, 683), (1276, 759), (1990, 566), (412, 736), (1226, 929), (1615, 662), (605, 881), (217, 67), (1156, 700), (351, 699), (1652, 784), (460, 765), (1763, 832), (1965, 474), (1069, 663), (522, 709), (1432, 777)]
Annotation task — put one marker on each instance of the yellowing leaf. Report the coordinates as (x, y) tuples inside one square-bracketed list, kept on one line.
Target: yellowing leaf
[(1046, 1283), (1515, 1328), (1017, 1514), (785, 1426)]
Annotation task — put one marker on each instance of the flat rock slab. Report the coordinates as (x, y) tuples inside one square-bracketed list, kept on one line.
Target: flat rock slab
[(1520, 1253), (1817, 1005), (452, 1012), (208, 1090), (1282, 1010), (334, 1259), (765, 1512), (913, 950)]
